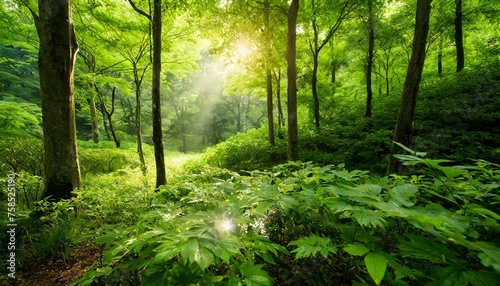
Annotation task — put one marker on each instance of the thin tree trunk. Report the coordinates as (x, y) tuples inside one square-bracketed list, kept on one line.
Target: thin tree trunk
[(369, 61), (103, 112), (387, 79), (459, 41), (281, 119), (110, 118), (404, 123), (109, 114), (314, 81), (95, 122), (161, 178), (56, 66), (293, 138), (269, 79), (138, 126)]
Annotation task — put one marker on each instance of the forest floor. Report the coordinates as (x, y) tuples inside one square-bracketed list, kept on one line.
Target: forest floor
[(59, 272)]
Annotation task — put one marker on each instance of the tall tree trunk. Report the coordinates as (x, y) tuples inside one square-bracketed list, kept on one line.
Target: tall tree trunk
[(404, 123), (387, 79), (269, 78), (314, 88), (56, 66), (138, 123), (459, 41), (369, 61), (95, 122), (161, 178), (281, 120), (291, 50), (270, 117)]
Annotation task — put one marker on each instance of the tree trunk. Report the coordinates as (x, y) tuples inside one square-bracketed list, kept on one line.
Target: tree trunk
[(56, 66), (161, 178), (404, 123), (387, 79), (110, 118), (314, 88), (281, 120), (138, 119), (369, 61), (95, 122), (270, 117), (291, 50), (459, 41), (440, 62), (269, 78), (103, 112), (109, 114)]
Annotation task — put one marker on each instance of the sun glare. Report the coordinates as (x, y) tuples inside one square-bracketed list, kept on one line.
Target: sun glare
[(241, 52), (226, 225)]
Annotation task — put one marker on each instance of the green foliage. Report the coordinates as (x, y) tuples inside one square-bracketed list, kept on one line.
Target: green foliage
[(18, 155), (20, 119), (105, 160), (437, 227)]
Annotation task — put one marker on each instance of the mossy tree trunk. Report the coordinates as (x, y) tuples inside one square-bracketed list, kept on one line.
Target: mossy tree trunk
[(56, 61)]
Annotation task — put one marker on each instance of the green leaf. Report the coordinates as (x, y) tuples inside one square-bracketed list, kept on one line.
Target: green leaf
[(376, 264), (356, 249), (402, 194), (311, 245), (254, 275), (196, 253)]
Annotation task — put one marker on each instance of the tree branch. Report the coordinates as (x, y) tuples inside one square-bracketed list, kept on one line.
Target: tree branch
[(148, 16)]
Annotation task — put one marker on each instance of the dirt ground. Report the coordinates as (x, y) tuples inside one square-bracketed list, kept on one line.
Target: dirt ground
[(58, 272)]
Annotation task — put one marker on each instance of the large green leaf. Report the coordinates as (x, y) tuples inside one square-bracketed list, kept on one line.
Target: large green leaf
[(402, 194), (376, 264), (356, 249), (195, 252)]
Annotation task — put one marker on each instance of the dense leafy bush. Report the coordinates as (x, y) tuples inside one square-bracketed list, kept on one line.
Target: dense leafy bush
[(303, 224), (105, 158), (18, 155)]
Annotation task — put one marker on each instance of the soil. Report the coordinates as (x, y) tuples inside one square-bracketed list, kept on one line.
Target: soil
[(59, 272)]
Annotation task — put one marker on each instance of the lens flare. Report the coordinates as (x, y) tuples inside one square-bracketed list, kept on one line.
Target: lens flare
[(226, 225)]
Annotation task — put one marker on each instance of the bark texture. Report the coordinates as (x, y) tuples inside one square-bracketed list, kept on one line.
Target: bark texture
[(404, 123), (56, 60), (291, 51), (161, 178)]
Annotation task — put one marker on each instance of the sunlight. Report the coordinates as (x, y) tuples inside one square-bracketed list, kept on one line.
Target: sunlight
[(226, 225), (242, 51)]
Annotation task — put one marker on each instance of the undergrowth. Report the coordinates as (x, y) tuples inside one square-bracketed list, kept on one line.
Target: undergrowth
[(305, 224)]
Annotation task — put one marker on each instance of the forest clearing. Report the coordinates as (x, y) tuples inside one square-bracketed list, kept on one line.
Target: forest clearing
[(250, 142)]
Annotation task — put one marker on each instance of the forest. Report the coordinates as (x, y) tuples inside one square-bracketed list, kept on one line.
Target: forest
[(250, 142)]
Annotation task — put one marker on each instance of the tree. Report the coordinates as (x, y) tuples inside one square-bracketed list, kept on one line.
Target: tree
[(56, 60), (269, 79), (316, 45), (161, 178), (291, 50), (369, 60), (155, 21), (404, 123), (459, 41)]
